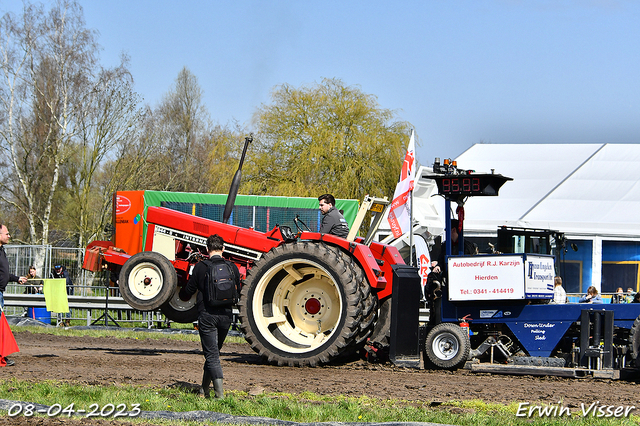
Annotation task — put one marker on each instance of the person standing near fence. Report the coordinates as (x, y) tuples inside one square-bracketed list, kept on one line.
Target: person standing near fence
[(60, 271), (34, 286), (630, 295), (35, 283), (5, 275)]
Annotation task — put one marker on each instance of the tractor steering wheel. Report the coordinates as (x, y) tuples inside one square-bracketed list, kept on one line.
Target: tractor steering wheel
[(298, 222)]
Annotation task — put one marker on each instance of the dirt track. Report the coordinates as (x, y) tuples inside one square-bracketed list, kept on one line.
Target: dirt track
[(164, 362)]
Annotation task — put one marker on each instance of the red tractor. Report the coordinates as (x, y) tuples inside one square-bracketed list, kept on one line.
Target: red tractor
[(308, 298)]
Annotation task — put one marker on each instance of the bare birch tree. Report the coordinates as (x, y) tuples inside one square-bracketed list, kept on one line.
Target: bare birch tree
[(183, 125), (46, 60), (60, 105), (108, 127)]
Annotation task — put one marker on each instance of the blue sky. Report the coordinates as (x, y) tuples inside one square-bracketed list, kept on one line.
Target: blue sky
[(462, 72)]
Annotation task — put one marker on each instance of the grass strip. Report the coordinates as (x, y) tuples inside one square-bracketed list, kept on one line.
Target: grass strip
[(304, 407)]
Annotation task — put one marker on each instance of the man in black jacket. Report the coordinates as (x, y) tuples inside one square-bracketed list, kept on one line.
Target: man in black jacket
[(59, 272), (5, 275), (214, 320)]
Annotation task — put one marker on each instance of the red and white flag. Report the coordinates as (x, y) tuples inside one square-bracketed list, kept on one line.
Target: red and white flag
[(400, 210)]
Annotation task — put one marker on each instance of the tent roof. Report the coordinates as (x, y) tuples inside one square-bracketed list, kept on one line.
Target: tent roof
[(584, 189)]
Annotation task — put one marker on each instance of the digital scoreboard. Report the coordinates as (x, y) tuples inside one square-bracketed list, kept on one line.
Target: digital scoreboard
[(467, 185)]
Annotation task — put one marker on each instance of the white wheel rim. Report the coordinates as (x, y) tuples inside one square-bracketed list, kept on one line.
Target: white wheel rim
[(145, 281), (300, 312), (445, 346)]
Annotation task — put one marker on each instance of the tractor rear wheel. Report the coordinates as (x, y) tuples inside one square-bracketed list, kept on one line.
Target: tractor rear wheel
[(447, 346), (302, 304), (147, 280)]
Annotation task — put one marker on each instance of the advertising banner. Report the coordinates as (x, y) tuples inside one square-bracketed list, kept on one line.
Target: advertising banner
[(490, 277), (501, 277), (540, 271)]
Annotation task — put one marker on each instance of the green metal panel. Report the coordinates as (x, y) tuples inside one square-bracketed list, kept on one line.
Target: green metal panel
[(260, 212)]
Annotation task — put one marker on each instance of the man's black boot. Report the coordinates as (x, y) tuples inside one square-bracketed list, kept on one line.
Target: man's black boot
[(206, 381), (217, 388)]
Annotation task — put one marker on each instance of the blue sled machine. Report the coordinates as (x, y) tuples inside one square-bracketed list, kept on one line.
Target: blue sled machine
[(495, 312)]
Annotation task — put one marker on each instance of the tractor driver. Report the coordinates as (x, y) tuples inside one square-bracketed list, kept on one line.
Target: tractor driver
[(332, 220)]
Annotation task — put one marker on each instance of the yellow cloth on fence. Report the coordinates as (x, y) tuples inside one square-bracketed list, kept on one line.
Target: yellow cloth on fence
[(55, 295)]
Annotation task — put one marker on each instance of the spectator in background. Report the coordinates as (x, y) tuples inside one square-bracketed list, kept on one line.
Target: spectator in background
[(60, 271), (618, 297), (114, 282), (630, 295), (592, 296), (34, 282), (559, 295), (34, 286)]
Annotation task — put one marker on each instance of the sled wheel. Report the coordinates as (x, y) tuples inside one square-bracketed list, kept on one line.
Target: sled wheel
[(178, 310), (447, 346), (634, 343), (147, 280), (300, 305)]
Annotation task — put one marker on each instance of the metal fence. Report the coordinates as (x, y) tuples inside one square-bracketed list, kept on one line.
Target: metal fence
[(44, 258), (90, 289)]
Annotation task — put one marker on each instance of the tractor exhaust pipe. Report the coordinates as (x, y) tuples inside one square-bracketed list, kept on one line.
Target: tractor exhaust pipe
[(235, 183)]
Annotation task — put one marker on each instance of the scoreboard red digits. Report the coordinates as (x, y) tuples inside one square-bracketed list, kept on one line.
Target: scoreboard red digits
[(456, 185), (469, 185)]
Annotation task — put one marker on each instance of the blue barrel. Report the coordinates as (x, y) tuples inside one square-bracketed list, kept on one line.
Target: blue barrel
[(40, 314)]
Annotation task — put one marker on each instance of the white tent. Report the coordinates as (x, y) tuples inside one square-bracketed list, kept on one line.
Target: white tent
[(583, 189), (589, 192)]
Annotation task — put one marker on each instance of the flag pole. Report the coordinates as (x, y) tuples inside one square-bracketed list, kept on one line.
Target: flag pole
[(411, 248), (411, 231)]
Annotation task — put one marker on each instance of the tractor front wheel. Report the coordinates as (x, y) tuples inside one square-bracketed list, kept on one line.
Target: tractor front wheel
[(147, 280)]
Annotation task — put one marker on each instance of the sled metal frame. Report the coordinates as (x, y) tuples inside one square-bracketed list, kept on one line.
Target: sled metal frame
[(523, 370)]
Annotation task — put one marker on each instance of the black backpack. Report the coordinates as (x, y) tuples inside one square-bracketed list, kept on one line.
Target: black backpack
[(221, 284)]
